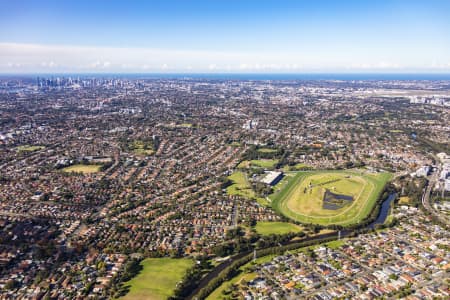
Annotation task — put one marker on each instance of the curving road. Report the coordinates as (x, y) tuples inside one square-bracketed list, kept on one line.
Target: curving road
[(426, 198)]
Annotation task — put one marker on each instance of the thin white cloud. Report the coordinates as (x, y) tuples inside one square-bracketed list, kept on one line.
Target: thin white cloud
[(15, 57)]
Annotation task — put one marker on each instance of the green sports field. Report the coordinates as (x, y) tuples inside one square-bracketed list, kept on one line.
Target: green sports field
[(141, 148), (85, 169), (304, 197), (267, 228), (267, 150), (258, 163), (298, 167), (158, 278), (29, 148)]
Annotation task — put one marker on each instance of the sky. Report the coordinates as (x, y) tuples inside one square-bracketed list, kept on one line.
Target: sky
[(228, 36)]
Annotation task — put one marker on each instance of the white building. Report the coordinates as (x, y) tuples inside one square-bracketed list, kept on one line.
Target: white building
[(422, 172), (272, 177)]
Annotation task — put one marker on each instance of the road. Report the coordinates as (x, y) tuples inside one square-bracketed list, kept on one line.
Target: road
[(235, 215), (426, 198)]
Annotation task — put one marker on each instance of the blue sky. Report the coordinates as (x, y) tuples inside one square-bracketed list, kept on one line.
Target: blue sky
[(225, 36)]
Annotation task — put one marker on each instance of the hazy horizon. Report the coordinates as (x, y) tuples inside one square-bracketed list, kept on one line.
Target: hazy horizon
[(225, 37)]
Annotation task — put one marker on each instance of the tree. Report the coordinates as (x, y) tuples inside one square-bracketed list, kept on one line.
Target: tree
[(11, 284)]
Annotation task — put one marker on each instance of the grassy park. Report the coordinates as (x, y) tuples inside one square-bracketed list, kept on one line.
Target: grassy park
[(218, 293), (240, 186), (298, 167), (267, 228), (140, 147), (242, 275), (29, 148), (258, 163), (267, 150), (264, 163), (235, 144), (85, 169), (318, 196), (158, 278), (404, 200)]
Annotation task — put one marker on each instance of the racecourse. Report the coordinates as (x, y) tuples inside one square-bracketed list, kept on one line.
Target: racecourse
[(302, 199)]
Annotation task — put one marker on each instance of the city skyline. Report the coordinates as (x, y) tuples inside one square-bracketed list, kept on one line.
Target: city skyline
[(236, 37)]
